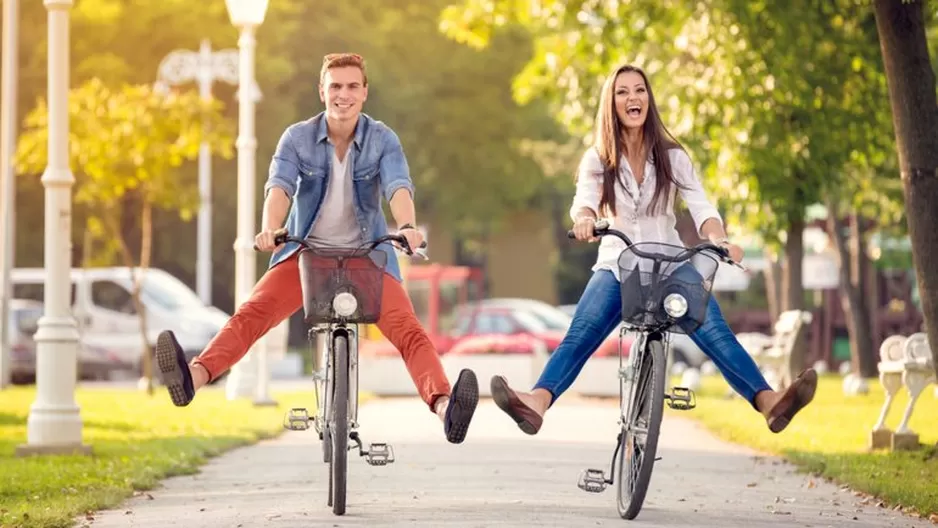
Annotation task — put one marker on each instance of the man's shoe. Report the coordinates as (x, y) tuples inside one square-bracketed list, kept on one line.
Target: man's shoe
[(462, 405), (173, 369)]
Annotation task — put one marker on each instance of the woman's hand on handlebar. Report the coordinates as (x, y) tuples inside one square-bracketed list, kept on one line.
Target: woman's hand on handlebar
[(583, 228)]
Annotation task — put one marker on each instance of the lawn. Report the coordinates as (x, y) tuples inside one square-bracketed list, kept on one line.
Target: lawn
[(831, 438), (137, 440)]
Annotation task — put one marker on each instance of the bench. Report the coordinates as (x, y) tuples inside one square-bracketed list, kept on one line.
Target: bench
[(903, 361), (773, 354)]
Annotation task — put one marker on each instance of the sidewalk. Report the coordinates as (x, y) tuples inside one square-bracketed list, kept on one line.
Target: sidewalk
[(499, 476)]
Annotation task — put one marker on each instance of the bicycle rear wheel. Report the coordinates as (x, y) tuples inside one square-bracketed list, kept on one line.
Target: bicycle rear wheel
[(639, 439), (338, 466)]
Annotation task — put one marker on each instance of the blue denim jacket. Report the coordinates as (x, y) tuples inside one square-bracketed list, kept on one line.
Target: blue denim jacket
[(301, 166)]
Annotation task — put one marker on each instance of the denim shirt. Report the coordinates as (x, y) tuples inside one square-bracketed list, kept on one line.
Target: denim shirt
[(301, 166)]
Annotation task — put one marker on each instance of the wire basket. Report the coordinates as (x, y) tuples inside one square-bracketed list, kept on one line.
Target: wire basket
[(325, 273), (649, 272)]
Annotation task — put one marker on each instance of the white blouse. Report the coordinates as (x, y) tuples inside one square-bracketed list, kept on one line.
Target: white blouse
[(632, 217)]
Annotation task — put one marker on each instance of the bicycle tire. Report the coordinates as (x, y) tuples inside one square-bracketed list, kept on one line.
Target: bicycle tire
[(651, 378), (340, 435)]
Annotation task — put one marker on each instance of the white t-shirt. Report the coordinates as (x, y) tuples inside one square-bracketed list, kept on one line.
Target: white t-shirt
[(337, 225)]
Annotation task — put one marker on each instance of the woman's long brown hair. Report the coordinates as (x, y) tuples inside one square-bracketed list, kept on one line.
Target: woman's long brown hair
[(609, 145)]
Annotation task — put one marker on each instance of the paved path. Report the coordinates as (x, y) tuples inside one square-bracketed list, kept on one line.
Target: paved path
[(499, 477)]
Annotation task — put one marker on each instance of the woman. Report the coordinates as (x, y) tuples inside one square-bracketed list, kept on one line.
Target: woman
[(630, 177)]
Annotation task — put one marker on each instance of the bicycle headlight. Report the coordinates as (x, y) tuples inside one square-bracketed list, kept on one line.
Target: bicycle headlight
[(675, 305), (344, 304)]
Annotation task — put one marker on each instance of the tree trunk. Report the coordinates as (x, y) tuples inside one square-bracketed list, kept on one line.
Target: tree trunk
[(773, 270), (911, 81), (793, 290), (146, 248), (851, 297), (146, 223)]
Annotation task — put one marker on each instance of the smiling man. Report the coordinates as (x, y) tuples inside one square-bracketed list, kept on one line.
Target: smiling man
[(329, 173)]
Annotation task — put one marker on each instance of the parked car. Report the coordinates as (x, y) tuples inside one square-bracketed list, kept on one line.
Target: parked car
[(108, 322), (94, 362)]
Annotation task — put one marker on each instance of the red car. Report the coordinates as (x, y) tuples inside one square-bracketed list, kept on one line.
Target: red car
[(501, 326)]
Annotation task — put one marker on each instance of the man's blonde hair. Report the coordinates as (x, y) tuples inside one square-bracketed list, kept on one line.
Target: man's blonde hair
[(342, 60)]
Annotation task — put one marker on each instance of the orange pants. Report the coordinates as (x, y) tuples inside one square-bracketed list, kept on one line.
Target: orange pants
[(278, 295)]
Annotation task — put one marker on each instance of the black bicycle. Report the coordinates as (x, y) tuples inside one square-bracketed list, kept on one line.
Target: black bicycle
[(342, 288), (665, 289)]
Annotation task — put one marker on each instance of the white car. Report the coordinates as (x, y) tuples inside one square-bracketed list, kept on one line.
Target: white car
[(107, 318)]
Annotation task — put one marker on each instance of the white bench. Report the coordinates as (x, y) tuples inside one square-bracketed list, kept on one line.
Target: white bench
[(903, 361), (773, 354)]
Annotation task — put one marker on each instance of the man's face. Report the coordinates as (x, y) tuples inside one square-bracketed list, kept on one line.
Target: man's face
[(343, 91)]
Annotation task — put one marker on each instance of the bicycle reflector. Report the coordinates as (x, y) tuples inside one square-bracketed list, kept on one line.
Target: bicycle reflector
[(345, 304), (675, 305)]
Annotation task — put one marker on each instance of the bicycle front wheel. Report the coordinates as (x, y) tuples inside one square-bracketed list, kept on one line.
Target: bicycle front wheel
[(338, 465), (639, 438)]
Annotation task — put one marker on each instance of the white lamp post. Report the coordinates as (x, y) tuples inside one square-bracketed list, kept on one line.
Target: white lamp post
[(8, 130), (247, 15), (204, 67), (54, 424)]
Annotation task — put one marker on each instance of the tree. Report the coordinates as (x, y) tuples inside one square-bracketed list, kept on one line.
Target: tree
[(759, 91), (902, 36), (125, 144)]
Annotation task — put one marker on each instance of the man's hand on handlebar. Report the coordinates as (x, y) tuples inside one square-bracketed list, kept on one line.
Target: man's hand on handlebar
[(266, 240), (736, 252), (414, 238)]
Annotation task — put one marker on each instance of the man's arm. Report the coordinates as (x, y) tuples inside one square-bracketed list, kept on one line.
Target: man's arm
[(402, 208), (398, 188), (280, 186), (276, 207)]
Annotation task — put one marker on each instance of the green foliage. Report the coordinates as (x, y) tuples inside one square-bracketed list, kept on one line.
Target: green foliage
[(780, 103), (131, 139)]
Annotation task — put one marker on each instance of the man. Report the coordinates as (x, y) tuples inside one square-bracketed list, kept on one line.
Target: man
[(335, 166)]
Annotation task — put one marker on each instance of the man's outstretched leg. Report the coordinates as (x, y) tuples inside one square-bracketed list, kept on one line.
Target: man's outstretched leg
[(400, 325), (274, 298)]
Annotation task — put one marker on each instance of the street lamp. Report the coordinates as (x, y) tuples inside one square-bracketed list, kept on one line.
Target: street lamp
[(204, 67), (247, 15), (54, 424)]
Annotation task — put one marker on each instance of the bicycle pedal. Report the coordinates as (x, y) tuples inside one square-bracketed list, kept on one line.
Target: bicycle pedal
[(592, 481), (379, 455), (681, 399), (296, 419)]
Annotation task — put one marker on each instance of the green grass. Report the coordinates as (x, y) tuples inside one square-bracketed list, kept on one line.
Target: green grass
[(137, 440), (831, 438)]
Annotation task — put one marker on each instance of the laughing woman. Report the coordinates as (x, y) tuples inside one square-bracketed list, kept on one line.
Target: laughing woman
[(630, 177)]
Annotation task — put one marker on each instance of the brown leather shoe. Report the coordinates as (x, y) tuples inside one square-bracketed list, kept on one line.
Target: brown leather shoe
[(798, 395), (507, 400)]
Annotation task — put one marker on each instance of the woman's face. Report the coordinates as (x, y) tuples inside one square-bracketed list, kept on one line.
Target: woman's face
[(631, 99)]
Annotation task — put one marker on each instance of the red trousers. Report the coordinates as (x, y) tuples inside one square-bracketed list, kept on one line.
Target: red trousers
[(277, 295)]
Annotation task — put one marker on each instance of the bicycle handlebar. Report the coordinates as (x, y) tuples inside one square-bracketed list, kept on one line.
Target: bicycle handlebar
[(602, 228), (282, 236)]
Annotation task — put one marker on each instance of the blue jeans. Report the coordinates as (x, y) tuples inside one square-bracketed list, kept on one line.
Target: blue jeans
[(599, 312)]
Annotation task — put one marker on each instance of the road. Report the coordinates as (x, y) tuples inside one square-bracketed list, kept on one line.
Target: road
[(499, 476)]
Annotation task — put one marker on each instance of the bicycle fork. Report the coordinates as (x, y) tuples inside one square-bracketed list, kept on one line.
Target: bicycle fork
[(298, 419), (680, 398)]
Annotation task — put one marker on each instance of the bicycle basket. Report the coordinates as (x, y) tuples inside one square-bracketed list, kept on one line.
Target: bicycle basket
[(325, 273), (650, 272)]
